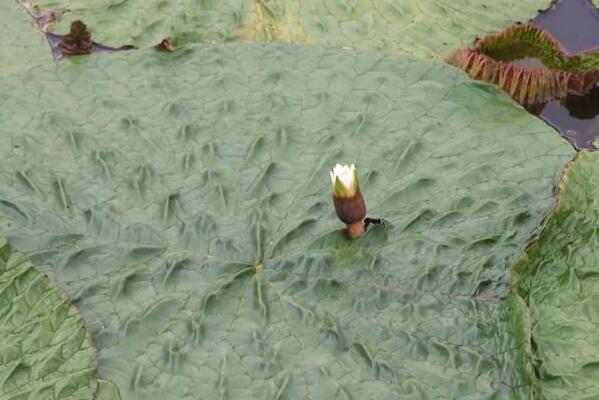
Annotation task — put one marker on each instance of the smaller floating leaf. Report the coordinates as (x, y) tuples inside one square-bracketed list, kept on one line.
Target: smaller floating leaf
[(558, 280), (491, 58), (45, 351)]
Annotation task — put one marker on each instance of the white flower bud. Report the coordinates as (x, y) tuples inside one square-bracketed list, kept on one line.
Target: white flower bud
[(347, 199), (344, 180)]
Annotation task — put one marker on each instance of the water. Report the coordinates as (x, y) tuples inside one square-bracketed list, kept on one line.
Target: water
[(575, 24), (54, 41)]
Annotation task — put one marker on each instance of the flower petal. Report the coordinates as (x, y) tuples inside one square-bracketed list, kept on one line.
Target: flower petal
[(344, 180)]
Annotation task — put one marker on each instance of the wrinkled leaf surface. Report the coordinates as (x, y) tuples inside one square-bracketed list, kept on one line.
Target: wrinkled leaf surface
[(45, 350), (183, 201), (558, 281)]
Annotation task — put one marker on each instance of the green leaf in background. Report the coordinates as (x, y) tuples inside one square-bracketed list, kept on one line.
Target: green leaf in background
[(183, 201), (22, 42), (425, 28), (421, 28), (558, 281), (45, 350)]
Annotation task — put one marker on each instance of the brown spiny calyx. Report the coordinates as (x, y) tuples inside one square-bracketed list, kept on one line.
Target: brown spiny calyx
[(347, 199), (78, 40), (352, 212), (558, 74)]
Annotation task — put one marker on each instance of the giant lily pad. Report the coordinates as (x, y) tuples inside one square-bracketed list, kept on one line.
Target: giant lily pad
[(183, 201), (558, 281), (429, 28), (45, 351)]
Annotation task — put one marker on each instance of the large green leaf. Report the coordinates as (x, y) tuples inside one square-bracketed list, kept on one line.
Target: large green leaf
[(183, 201), (22, 42), (558, 280), (428, 28), (423, 28), (45, 351)]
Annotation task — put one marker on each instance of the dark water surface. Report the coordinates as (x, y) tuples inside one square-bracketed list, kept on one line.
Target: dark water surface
[(575, 24), (54, 41)]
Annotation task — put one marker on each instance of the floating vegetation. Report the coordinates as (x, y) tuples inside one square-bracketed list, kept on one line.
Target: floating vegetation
[(548, 70)]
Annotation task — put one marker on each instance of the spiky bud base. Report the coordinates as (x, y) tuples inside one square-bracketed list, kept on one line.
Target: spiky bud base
[(352, 211)]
